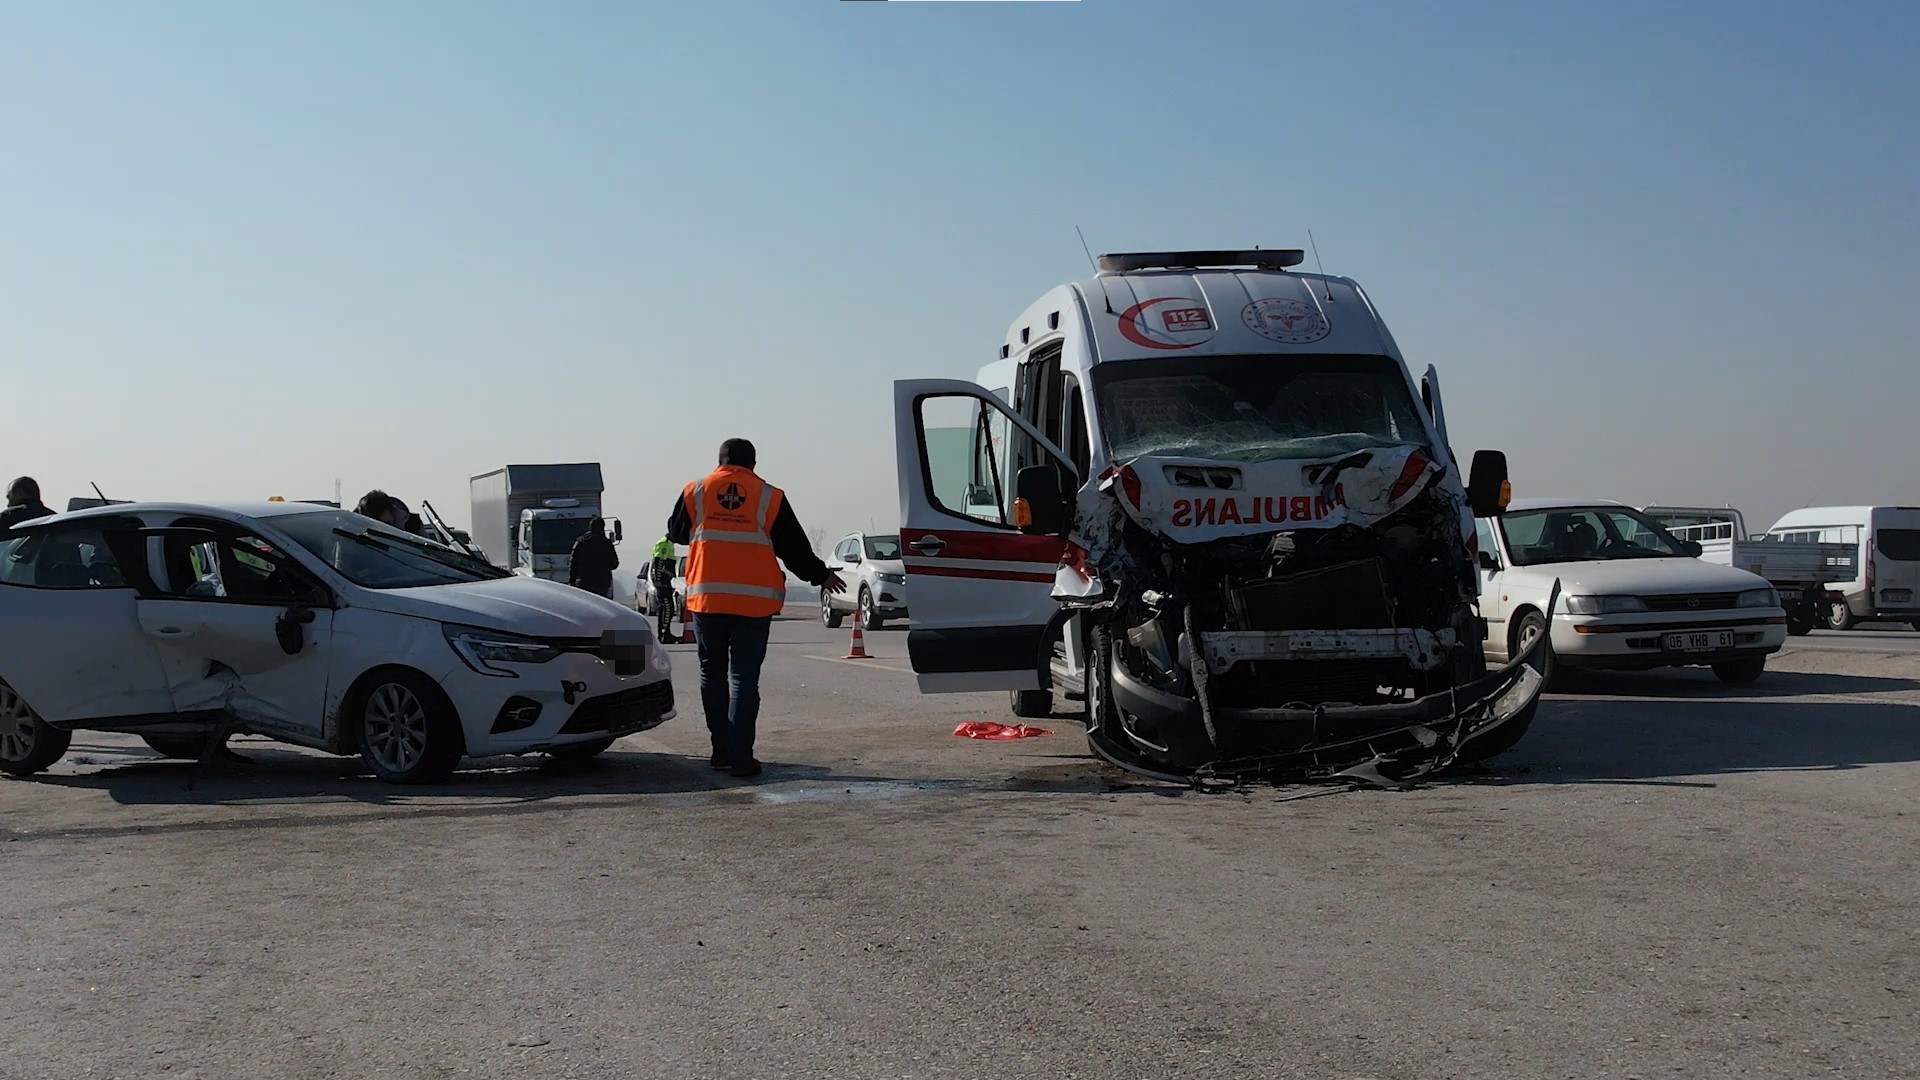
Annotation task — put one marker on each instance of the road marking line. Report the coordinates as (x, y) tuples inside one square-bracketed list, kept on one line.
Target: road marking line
[(861, 663)]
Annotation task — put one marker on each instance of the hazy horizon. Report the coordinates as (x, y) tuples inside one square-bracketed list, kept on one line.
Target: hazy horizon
[(1658, 254)]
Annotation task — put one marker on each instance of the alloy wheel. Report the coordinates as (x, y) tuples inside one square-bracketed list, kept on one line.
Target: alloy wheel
[(18, 729), (396, 727)]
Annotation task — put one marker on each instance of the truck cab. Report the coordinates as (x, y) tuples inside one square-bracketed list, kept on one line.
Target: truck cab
[(1205, 495), (547, 535)]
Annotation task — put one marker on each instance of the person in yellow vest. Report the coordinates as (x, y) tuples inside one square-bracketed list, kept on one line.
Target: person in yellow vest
[(739, 529)]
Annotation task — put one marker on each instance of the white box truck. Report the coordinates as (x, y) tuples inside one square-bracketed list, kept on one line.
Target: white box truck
[(527, 517)]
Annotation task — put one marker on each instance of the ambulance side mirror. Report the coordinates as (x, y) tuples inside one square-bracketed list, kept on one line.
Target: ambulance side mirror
[(1488, 489), (1040, 501)]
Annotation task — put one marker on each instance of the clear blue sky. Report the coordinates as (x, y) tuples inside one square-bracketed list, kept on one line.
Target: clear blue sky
[(1658, 251)]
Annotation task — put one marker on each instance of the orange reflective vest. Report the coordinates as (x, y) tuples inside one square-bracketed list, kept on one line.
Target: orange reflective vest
[(731, 569)]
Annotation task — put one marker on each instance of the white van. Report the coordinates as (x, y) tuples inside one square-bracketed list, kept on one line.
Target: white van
[(1204, 494), (1884, 583)]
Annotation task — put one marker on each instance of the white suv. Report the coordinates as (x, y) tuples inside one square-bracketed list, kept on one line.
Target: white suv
[(876, 581)]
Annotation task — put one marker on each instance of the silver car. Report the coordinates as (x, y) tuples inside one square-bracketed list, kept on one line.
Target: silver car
[(876, 580)]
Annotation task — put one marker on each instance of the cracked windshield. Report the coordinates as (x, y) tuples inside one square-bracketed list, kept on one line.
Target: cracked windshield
[(1251, 409)]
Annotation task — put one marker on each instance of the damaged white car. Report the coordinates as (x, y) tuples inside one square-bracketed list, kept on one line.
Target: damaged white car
[(1205, 495), (183, 624)]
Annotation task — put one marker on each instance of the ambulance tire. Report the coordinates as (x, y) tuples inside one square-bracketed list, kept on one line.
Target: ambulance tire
[(1032, 704)]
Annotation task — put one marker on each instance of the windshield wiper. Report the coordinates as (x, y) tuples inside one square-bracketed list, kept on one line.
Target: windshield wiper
[(367, 540)]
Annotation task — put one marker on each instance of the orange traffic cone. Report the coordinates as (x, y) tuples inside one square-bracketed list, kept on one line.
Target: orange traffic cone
[(686, 626), (859, 649)]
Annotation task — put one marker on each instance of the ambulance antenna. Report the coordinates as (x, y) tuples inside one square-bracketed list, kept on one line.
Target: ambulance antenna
[(1322, 266), (1108, 297)]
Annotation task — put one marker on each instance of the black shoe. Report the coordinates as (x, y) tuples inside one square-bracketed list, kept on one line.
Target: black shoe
[(749, 767), (720, 761)]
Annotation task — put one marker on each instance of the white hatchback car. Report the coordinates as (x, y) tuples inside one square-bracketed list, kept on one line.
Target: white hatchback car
[(876, 580), (308, 624), (1631, 596)]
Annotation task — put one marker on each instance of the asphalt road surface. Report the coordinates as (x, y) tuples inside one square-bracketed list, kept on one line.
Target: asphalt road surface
[(1876, 640), (1667, 878)]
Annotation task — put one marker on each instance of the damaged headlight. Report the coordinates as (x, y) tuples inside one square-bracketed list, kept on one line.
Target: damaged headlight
[(1759, 598), (482, 649), (1602, 605)]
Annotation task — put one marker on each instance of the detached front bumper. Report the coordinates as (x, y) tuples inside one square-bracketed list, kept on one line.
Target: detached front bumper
[(1417, 736)]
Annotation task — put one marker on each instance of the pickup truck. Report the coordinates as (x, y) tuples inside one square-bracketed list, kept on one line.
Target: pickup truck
[(1798, 571)]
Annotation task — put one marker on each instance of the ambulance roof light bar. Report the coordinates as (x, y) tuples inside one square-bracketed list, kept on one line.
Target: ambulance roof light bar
[(1129, 262)]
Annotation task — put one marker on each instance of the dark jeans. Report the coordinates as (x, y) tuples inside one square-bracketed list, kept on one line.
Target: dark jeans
[(597, 588), (732, 648)]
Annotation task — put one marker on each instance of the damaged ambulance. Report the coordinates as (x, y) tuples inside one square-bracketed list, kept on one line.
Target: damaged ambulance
[(1203, 494)]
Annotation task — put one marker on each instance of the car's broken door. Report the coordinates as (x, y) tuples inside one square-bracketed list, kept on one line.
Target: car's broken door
[(240, 626), (70, 638), (982, 589)]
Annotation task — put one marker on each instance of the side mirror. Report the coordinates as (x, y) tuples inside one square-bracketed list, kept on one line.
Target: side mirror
[(853, 559), (1040, 501), (1692, 548), (618, 535), (1488, 489), (1488, 562)]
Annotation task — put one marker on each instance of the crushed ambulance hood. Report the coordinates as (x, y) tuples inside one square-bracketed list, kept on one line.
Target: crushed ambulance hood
[(534, 607), (1194, 500)]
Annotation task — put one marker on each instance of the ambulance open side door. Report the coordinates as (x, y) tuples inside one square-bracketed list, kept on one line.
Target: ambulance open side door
[(979, 572)]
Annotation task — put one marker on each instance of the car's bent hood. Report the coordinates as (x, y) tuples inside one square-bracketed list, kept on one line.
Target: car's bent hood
[(1193, 500), (1644, 577), (536, 607)]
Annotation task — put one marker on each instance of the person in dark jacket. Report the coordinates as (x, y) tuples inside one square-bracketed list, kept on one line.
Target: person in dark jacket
[(594, 561), (23, 503)]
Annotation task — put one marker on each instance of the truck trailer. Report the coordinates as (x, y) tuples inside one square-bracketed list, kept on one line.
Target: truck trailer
[(527, 517)]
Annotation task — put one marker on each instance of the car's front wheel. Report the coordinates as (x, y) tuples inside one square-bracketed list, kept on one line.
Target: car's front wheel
[(408, 731), (870, 618), (27, 744), (829, 618), (1741, 672), (1533, 628)]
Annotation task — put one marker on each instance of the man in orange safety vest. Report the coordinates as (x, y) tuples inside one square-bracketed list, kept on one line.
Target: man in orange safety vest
[(739, 529)]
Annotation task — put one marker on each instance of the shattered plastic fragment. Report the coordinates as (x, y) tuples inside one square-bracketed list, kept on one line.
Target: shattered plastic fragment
[(982, 729)]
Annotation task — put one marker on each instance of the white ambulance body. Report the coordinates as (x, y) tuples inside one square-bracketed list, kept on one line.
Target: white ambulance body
[(1194, 409)]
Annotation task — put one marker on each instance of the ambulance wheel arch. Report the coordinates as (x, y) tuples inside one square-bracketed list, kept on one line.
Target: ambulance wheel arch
[(982, 585)]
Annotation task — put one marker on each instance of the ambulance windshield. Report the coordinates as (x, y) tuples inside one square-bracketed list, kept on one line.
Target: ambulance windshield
[(1255, 408)]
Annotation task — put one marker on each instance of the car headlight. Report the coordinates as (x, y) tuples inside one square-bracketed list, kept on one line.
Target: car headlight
[(1603, 605), (1759, 598), (482, 649), (893, 579)]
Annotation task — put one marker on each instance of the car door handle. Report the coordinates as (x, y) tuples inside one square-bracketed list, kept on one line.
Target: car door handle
[(929, 545), (170, 631)]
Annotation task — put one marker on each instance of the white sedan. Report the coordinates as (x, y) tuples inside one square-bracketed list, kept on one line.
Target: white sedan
[(1631, 596), (312, 625)]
